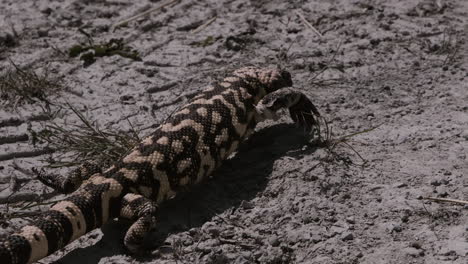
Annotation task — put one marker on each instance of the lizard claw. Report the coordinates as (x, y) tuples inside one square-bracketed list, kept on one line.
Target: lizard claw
[(304, 114)]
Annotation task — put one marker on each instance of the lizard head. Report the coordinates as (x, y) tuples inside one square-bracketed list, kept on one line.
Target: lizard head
[(271, 79)]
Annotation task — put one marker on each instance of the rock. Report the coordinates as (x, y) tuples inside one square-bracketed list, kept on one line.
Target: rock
[(350, 220), (400, 185), (218, 258), (8, 40), (404, 218), (246, 254), (464, 134), (374, 42), (447, 252), (246, 205), (435, 182), (187, 241), (150, 25), (166, 250), (208, 246), (241, 260), (258, 254), (193, 232), (442, 191), (306, 218), (274, 241), (228, 234), (347, 236), (214, 231), (397, 228), (321, 154), (316, 238), (274, 255), (411, 251), (126, 97), (211, 228), (235, 43), (296, 236), (416, 245), (43, 32)]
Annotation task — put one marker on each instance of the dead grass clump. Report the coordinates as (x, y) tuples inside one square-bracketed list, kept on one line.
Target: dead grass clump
[(448, 46), (85, 142), (19, 86), (326, 139)]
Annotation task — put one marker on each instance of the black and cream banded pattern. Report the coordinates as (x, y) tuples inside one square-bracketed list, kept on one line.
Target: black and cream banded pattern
[(181, 152)]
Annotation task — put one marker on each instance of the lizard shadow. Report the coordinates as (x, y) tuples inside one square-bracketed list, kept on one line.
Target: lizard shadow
[(240, 178)]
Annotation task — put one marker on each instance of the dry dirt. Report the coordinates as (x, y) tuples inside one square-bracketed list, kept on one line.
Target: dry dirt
[(398, 66)]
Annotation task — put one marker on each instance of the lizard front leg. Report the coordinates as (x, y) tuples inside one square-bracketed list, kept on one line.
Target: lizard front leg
[(142, 210), (302, 110)]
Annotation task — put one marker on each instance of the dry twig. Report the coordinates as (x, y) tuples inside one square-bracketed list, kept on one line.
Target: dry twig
[(18, 86), (330, 142), (126, 21), (309, 24), (327, 64), (446, 200), (204, 25), (26, 154)]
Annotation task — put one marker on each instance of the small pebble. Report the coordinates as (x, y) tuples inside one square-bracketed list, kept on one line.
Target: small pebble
[(46, 10), (43, 32), (7, 40), (411, 251), (193, 231), (350, 220), (247, 205), (397, 228), (435, 182), (347, 236), (214, 231), (416, 245), (374, 42), (405, 218), (316, 238), (126, 97), (400, 184), (274, 241), (464, 134)]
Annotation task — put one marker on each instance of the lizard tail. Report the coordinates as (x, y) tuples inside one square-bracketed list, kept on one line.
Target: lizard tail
[(86, 209)]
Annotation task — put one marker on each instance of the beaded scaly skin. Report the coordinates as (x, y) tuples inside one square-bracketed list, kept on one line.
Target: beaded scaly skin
[(181, 152)]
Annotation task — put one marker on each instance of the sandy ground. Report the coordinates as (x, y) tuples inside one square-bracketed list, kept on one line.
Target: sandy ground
[(397, 65)]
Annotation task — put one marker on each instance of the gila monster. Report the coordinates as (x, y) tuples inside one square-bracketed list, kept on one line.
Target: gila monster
[(181, 152)]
